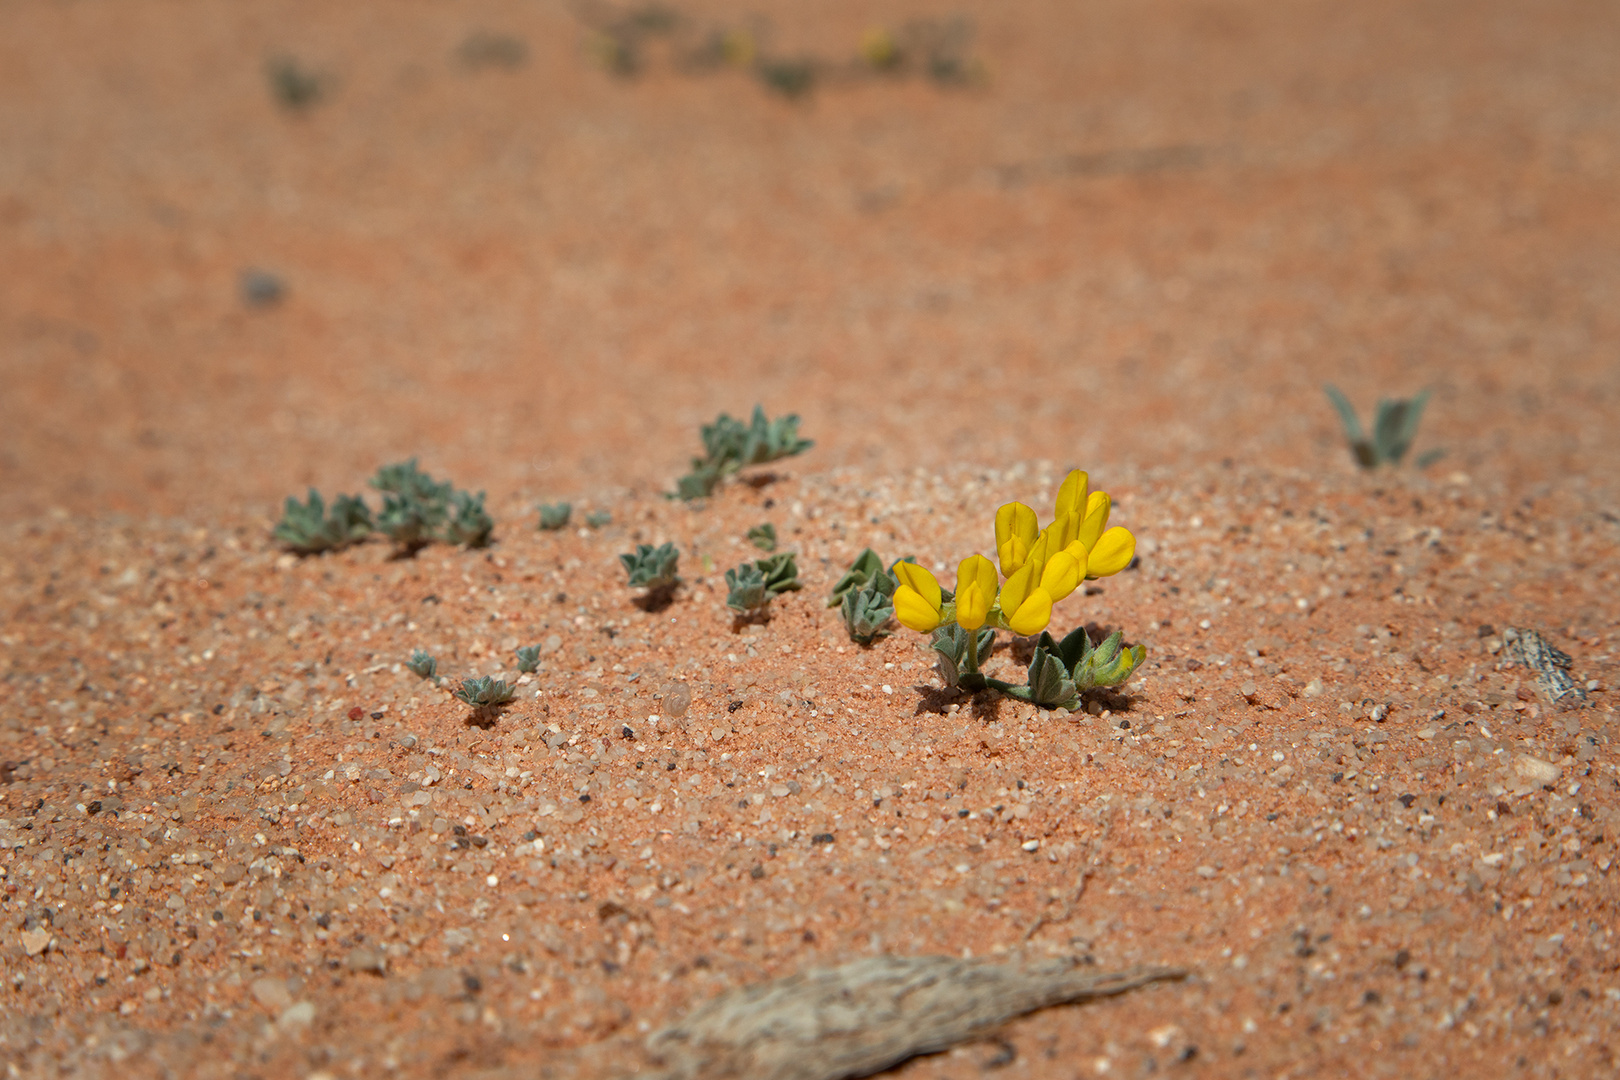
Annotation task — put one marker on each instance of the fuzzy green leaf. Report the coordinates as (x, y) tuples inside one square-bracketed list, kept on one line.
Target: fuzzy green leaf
[(763, 536), (781, 572), (423, 664), (867, 611), (859, 573), (528, 658)]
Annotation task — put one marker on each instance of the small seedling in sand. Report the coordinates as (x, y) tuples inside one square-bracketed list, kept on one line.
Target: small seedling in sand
[(307, 528), (731, 445), (599, 519), (470, 524), (745, 587), (792, 77), (869, 610), (1395, 423), (652, 568), (485, 692), (1041, 567), (424, 665), (752, 585), (528, 658), (763, 536), (483, 49), (555, 515)]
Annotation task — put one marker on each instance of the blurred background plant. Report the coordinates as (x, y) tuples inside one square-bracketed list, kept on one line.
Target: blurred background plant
[(731, 445), (293, 85), (308, 528), (763, 536), (1395, 423), (554, 515), (627, 41)]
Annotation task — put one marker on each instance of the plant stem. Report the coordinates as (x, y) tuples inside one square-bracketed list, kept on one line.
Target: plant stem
[(973, 652)]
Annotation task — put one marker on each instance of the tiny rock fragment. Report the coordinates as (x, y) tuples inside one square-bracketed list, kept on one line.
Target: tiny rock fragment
[(363, 959), (271, 993), (35, 941), (1314, 688), (1533, 770), (1032, 845), (1249, 691), (298, 1015)]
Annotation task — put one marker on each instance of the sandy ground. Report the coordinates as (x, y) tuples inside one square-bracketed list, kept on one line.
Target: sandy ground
[(240, 839)]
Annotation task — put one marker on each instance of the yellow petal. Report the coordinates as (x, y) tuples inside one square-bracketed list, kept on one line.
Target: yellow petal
[(972, 606), (1033, 614), (1063, 531), (1096, 519), (975, 589), (1016, 588), (921, 582), (1061, 575), (976, 569), (1016, 526), (914, 611), (1113, 553), (1071, 497)]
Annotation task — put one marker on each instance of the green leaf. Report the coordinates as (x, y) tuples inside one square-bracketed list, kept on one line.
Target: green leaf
[(528, 658), (423, 665), (867, 611), (781, 572), (1049, 684), (763, 536), (859, 573)]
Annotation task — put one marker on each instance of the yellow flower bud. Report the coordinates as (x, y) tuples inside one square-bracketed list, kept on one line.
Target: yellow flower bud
[(1016, 529), (1095, 520), (975, 589), (1071, 497), (917, 598), (1033, 614)]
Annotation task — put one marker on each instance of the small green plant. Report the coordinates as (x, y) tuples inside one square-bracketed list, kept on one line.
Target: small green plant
[(555, 515), (1060, 672), (528, 658), (424, 665), (745, 587), (470, 524), (730, 445), (792, 77), (751, 585), (307, 528), (1041, 567), (763, 536), (651, 567), (1395, 422), (294, 86), (485, 692), (418, 510), (869, 610), (599, 519)]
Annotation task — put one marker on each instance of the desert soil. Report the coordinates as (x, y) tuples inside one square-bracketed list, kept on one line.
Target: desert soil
[(242, 840)]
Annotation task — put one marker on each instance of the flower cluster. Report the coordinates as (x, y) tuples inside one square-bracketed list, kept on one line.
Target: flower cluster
[(1041, 567)]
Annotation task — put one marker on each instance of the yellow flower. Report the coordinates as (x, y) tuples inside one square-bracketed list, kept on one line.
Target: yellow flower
[(1025, 605), (917, 598), (975, 591), (1016, 529), (1071, 496)]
